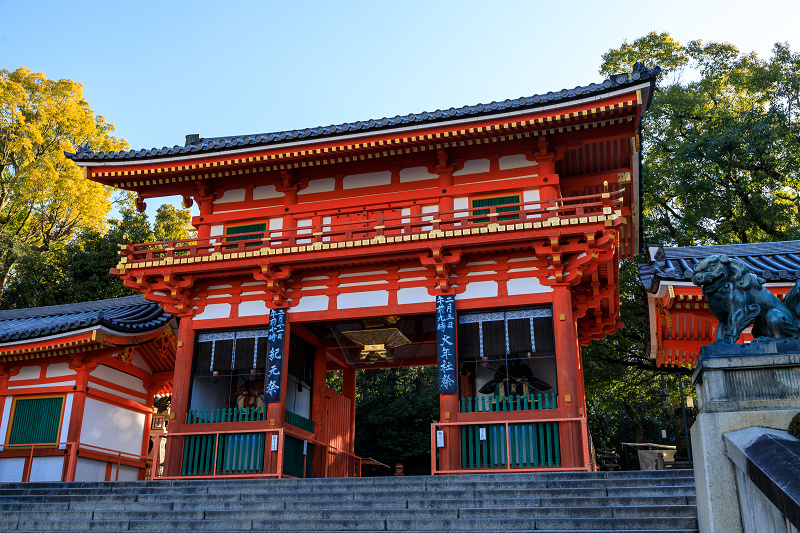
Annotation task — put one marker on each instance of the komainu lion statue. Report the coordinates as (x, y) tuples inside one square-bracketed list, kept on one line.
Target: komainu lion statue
[(737, 299)]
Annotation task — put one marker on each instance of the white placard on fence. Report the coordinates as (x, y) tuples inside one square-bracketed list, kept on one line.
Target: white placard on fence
[(274, 446), (440, 439)]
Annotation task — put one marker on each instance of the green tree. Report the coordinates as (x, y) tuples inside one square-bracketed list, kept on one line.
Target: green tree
[(44, 199), (394, 411), (721, 142), (77, 271)]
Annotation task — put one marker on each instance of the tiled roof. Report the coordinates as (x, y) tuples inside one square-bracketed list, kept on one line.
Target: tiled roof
[(773, 261), (640, 73), (126, 315)]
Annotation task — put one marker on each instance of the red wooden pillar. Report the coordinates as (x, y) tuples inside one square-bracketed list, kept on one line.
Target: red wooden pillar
[(83, 369), (5, 375), (205, 203), (349, 391), (181, 385), (551, 188), (448, 412), (570, 376), (318, 410), (276, 411)]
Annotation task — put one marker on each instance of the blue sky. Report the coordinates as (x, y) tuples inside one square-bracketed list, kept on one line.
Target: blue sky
[(161, 70)]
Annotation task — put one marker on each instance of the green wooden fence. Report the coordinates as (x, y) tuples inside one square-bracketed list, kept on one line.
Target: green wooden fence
[(236, 453), (232, 414), (530, 444), (299, 421), (293, 458), (522, 402)]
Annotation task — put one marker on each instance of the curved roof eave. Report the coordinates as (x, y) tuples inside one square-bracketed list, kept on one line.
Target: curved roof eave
[(641, 77), (775, 262)]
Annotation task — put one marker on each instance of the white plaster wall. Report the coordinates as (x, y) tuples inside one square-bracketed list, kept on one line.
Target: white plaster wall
[(275, 224), (253, 308), (479, 289), (68, 398), (90, 470), (531, 195), (526, 286), (408, 175), (357, 300), (126, 473), (4, 421), (371, 179), (320, 185), (112, 427), (138, 362), (27, 372), (106, 373), (234, 195), (37, 386), (47, 468), (515, 161), (317, 302), (214, 311), (265, 192), (58, 370), (217, 230), (414, 295), (461, 203), (473, 166), (298, 402), (11, 469)]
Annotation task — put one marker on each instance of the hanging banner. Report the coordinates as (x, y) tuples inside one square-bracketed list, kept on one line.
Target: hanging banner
[(446, 344), (275, 338)]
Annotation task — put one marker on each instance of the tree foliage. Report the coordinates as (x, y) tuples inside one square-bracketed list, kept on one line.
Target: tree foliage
[(394, 411), (44, 199), (77, 271), (722, 150)]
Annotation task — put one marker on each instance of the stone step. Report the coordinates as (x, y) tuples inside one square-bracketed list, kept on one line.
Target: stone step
[(479, 503), (349, 487), (301, 502), (400, 480), (572, 523)]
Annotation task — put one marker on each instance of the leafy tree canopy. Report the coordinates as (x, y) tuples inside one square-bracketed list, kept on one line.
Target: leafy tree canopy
[(721, 142), (77, 270), (44, 199)]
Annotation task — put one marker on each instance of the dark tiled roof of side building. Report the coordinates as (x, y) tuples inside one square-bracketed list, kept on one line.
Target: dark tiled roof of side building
[(773, 261), (217, 144), (129, 314)]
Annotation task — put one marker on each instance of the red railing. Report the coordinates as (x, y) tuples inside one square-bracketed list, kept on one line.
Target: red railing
[(239, 454), (70, 451), (398, 228), (497, 445)]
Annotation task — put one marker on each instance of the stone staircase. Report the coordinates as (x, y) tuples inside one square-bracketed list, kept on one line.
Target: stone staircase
[(660, 501)]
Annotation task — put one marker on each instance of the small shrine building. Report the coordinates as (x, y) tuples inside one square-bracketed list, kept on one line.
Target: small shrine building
[(77, 384), (679, 320), (482, 239)]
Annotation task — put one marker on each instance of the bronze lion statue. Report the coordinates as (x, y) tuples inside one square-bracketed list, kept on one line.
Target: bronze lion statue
[(737, 298)]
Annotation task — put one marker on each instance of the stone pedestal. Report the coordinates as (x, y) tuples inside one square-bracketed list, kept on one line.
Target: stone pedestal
[(738, 386)]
